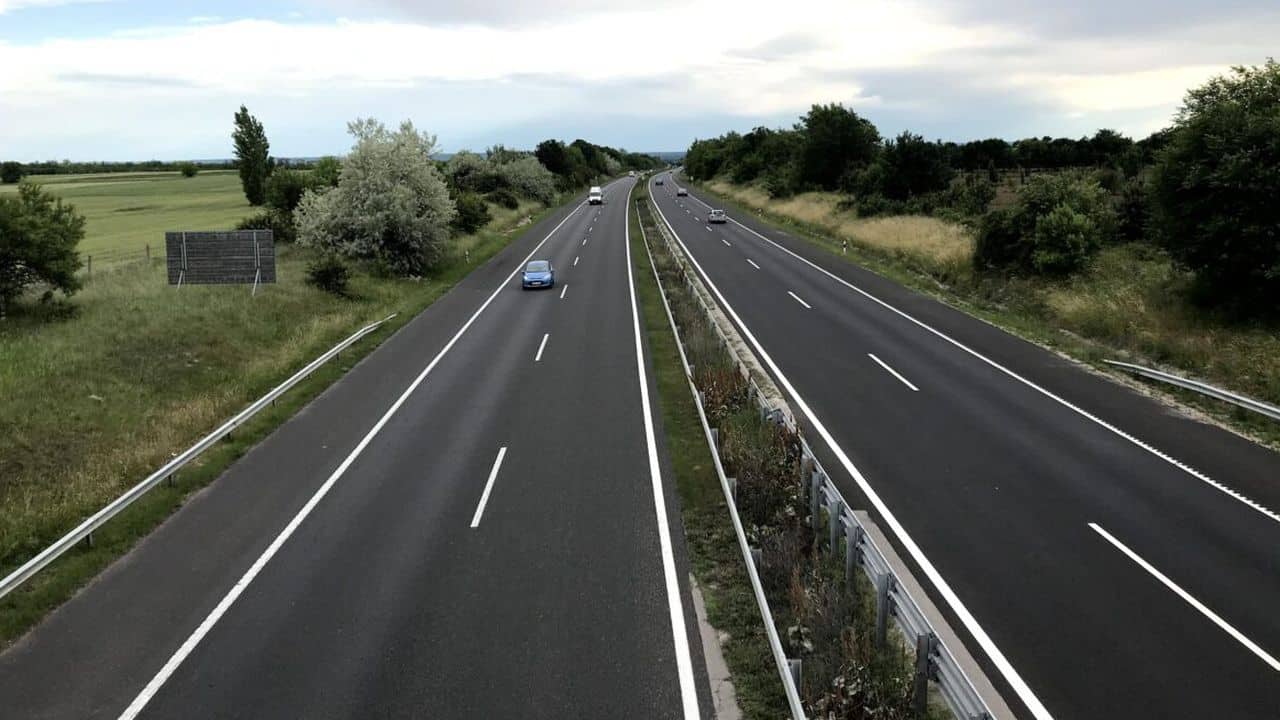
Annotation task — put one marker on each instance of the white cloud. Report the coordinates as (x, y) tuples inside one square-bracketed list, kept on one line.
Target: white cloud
[(699, 58)]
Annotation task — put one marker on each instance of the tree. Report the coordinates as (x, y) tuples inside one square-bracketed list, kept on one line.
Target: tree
[(391, 205), (1215, 189), (327, 171), (286, 187), (836, 140), (38, 239), (473, 213), (914, 166), (10, 172), (253, 155), (188, 169)]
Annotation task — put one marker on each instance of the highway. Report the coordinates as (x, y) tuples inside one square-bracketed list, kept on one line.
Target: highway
[(477, 521), (1104, 556)]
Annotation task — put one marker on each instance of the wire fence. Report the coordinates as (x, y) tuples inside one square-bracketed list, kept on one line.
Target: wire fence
[(115, 258)]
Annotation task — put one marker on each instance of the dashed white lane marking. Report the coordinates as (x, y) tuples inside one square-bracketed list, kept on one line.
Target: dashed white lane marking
[(893, 372), (797, 299), (753, 264), (563, 290), (575, 260), (488, 486), (541, 347)]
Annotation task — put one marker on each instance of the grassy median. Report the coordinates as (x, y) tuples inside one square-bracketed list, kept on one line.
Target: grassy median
[(101, 391)]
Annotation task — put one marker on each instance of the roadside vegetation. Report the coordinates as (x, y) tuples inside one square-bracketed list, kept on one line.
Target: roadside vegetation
[(1160, 252), (822, 619)]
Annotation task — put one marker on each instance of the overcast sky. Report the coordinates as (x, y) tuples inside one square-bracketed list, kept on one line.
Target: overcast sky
[(138, 79)]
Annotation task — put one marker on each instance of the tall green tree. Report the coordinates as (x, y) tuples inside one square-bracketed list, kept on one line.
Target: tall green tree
[(1216, 189), (38, 239), (836, 140), (10, 171), (253, 155), (914, 166)]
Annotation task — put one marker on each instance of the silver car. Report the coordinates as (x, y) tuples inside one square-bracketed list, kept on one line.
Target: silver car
[(717, 216)]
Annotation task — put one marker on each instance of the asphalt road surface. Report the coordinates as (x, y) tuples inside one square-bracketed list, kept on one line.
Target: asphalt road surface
[(477, 521), (1105, 556)]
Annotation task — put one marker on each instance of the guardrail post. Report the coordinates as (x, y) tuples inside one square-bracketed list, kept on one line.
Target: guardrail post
[(815, 485), (715, 438), (925, 644), (851, 540), (835, 527), (882, 609), (169, 479), (88, 540), (757, 557), (793, 665), (733, 489)]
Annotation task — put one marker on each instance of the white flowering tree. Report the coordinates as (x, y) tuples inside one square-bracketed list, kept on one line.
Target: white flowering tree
[(390, 206)]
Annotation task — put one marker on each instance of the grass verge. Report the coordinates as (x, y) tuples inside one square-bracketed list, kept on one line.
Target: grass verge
[(112, 386), (1129, 304), (823, 620)]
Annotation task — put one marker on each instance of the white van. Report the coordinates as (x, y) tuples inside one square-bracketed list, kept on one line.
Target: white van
[(596, 196)]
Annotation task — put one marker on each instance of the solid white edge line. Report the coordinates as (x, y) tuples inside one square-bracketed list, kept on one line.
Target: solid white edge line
[(1189, 598), (675, 604), (893, 372), (541, 347), (753, 263), (488, 487), (167, 670), (949, 596), (1224, 489), (797, 299), (564, 290)]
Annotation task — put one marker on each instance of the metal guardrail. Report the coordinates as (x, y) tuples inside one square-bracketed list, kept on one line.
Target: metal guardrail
[(1247, 403), (787, 671), (934, 660), (85, 529)]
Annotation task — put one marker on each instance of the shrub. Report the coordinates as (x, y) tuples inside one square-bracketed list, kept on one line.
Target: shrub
[(326, 172), (280, 223), (1030, 241), (1063, 242), (998, 244), (330, 274), (504, 198), (38, 239), (285, 188), (473, 213), (528, 178), (1215, 189), (10, 172), (390, 206), (188, 169), (1132, 211)]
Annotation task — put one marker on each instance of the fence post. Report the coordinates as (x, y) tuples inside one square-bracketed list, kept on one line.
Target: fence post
[(882, 609), (148, 253), (925, 643), (88, 266)]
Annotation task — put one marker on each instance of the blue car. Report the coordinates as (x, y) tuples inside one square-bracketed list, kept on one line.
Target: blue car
[(538, 274)]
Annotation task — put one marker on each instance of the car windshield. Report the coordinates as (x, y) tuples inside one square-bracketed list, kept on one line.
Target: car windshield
[(538, 266), (717, 213)]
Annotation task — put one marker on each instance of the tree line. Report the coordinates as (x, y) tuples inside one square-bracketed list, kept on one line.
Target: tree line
[(1204, 189)]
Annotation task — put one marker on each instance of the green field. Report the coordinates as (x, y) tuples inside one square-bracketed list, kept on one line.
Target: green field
[(102, 389), (128, 211)]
